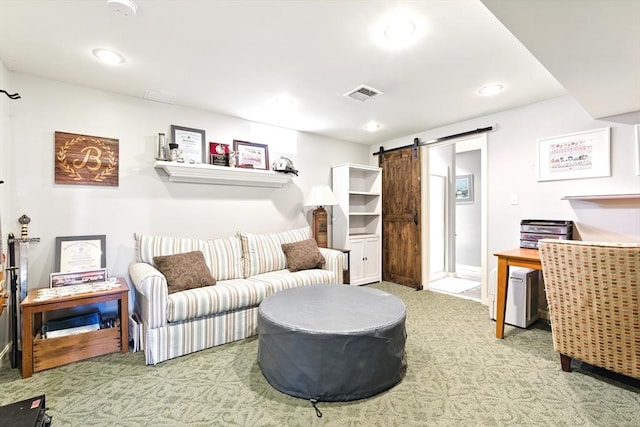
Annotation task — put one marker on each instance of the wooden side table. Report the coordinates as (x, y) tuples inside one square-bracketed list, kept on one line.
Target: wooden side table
[(39, 354)]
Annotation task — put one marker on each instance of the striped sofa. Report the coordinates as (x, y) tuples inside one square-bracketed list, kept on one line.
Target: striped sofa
[(248, 268)]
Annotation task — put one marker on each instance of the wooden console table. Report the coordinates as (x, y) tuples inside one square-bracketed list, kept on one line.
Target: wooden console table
[(527, 258), (39, 354)]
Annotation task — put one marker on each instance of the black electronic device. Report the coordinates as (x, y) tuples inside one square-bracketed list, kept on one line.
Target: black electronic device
[(26, 413)]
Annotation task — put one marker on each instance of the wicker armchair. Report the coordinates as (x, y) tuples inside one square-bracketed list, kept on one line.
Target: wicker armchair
[(593, 291)]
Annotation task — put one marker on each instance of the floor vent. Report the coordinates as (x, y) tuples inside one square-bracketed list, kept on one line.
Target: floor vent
[(362, 93)]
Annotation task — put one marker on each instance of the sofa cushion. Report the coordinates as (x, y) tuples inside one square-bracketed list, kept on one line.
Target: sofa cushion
[(263, 252), (225, 296), (222, 256), (184, 271), (303, 255), (284, 279)]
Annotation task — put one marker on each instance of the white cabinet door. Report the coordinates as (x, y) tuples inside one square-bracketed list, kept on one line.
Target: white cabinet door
[(372, 260), (356, 257), (365, 260)]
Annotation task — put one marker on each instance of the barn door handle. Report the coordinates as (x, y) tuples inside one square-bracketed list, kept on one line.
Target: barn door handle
[(415, 218)]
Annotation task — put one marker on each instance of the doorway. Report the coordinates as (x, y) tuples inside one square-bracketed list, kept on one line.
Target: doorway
[(457, 217)]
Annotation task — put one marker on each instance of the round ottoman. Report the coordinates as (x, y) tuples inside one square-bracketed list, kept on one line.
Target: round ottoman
[(332, 342)]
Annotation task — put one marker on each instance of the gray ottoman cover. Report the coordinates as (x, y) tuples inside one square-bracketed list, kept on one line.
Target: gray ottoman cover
[(332, 342)]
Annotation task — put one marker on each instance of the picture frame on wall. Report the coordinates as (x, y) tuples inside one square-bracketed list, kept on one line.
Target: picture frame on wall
[(251, 155), (80, 253), (576, 155), (191, 143), (464, 189)]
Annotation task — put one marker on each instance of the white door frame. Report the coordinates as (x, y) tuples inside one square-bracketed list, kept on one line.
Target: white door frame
[(475, 142)]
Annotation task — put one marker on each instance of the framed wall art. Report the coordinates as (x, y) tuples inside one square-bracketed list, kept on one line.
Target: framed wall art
[(191, 143), (251, 155), (577, 155), (464, 189), (80, 253), (86, 159)]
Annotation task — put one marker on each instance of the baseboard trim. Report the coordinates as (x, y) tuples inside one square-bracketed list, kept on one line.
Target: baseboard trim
[(471, 272)]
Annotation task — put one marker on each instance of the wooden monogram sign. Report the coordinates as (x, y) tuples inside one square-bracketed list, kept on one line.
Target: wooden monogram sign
[(86, 160)]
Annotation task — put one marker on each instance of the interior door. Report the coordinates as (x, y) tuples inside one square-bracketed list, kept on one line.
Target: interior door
[(401, 213)]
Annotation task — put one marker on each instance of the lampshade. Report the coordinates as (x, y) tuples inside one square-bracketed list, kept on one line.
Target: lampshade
[(321, 195)]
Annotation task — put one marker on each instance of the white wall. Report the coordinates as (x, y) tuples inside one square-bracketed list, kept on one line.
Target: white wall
[(4, 206), (469, 215), (512, 168), (144, 201)]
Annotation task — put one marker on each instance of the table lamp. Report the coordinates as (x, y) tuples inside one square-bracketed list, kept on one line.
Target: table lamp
[(320, 196)]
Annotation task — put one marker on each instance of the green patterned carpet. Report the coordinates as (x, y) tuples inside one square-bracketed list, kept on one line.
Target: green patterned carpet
[(458, 375)]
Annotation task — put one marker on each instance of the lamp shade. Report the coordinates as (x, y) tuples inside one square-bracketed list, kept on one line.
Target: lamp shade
[(321, 195)]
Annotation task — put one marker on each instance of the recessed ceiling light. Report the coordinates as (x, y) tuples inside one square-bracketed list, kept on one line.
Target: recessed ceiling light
[(123, 7), (108, 56), (284, 102), (372, 126), (400, 31), (491, 89)]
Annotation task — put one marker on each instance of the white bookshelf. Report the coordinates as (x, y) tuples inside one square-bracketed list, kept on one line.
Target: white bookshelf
[(357, 220)]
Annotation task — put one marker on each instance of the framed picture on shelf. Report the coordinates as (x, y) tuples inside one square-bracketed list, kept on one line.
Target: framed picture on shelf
[(219, 154), (577, 155), (251, 155), (464, 189), (191, 143), (77, 278), (80, 253)]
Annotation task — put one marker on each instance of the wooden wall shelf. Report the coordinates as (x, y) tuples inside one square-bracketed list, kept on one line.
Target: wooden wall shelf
[(603, 197), (222, 175)]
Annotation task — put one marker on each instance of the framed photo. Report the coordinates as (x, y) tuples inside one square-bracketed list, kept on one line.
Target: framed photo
[(577, 155), (464, 189), (251, 155), (80, 253), (77, 277), (637, 127), (191, 142), (219, 154)]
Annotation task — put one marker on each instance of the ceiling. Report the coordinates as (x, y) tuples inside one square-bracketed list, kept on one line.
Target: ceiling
[(236, 57)]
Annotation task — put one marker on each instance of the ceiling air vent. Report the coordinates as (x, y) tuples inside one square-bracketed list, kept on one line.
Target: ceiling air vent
[(362, 93), (160, 96)]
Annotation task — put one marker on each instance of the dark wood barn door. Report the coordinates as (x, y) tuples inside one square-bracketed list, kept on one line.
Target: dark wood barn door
[(401, 214)]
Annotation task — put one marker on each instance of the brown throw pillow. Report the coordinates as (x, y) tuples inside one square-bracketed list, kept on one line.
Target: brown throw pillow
[(184, 271), (303, 255)]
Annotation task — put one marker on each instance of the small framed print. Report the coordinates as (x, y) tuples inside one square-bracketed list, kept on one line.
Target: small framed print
[(464, 189), (80, 253), (77, 278), (251, 155), (191, 143)]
